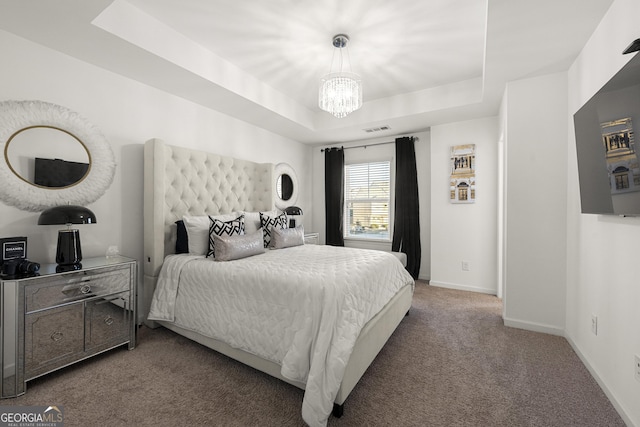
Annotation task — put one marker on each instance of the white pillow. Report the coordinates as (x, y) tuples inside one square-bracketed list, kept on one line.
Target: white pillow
[(252, 220), (198, 231)]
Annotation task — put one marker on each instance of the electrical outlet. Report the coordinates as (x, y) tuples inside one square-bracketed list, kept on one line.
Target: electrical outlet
[(637, 365), (594, 324), (466, 266)]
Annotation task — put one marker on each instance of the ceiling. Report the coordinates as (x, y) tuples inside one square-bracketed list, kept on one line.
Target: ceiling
[(422, 62)]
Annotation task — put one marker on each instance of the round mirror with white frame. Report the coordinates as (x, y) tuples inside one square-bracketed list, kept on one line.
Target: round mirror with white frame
[(286, 186), (35, 133)]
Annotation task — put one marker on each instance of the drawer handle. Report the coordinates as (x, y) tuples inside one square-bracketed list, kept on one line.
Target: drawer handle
[(57, 336), (85, 289), (108, 320)]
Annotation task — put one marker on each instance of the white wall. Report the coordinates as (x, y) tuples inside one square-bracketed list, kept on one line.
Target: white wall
[(465, 232), (558, 276), (375, 152), (535, 262), (603, 272), (128, 113)]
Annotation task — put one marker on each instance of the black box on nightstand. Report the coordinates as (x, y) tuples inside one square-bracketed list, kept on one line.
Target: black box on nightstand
[(13, 247), (13, 258)]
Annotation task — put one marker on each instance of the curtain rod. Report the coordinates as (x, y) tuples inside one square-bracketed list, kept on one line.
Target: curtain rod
[(366, 145), (360, 146)]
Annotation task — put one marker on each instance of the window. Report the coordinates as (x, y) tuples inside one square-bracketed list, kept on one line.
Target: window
[(367, 196)]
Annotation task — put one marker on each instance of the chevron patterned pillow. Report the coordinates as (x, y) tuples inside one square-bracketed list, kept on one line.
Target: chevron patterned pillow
[(267, 222), (223, 228)]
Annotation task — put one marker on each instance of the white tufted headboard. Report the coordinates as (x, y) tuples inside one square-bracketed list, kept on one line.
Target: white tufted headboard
[(180, 181)]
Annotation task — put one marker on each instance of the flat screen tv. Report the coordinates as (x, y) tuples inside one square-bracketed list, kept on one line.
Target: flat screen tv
[(608, 158), (58, 172)]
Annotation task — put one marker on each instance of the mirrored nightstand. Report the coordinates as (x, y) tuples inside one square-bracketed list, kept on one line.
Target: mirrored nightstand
[(311, 238), (53, 319)]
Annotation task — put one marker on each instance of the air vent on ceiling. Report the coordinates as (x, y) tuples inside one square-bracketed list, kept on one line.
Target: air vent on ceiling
[(378, 129)]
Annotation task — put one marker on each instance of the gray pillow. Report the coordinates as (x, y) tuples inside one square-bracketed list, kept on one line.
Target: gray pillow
[(238, 246), (287, 237)]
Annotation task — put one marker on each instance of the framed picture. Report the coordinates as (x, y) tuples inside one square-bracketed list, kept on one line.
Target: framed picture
[(621, 157), (462, 184)]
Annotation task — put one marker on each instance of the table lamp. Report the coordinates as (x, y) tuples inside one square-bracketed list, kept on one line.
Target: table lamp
[(293, 211), (69, 251)]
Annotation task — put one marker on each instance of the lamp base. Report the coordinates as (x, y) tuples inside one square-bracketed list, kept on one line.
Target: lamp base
[(69, 252), (71, 267)]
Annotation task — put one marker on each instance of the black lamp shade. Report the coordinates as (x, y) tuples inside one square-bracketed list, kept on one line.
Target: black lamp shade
[(69, 251), (293, 210), (67, 214)]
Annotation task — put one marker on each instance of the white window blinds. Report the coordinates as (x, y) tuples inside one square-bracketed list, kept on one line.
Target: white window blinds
[(367, 196)]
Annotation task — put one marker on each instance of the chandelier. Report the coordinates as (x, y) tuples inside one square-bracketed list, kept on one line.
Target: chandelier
[(340, 92)]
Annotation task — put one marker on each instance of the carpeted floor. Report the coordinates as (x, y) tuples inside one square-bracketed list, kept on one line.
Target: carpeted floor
[(451, 362)]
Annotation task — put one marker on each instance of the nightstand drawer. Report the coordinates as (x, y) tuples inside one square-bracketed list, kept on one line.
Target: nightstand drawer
[(107, 321), (52, 338), (76, 286)]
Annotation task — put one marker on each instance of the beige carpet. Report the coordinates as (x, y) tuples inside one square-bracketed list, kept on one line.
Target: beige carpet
[(450, 363)]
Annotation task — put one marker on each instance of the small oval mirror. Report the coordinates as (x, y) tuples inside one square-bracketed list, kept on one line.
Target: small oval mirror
[(284, 187), (32, 154)]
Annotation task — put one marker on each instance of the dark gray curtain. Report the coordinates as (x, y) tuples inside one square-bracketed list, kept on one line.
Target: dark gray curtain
[(334, 195), (406, 224)]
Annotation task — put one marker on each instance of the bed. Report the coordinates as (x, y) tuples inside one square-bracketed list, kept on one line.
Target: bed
[(329, 358)]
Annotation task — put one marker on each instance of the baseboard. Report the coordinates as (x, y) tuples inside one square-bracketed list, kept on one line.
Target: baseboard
[(601, 383), (462, 287), (534, 327)]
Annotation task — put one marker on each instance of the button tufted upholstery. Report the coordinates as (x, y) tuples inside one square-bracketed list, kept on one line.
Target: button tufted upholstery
[(180, 181)]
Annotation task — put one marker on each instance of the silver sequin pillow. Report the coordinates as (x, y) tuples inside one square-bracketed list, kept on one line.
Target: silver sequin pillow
[(238, 246), (287, 237)]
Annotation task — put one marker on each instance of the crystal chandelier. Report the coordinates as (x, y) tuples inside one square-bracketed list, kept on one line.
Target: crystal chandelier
[(340, 92)]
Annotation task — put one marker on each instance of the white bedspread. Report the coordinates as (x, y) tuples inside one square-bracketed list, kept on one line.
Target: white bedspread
[(301, 307)]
